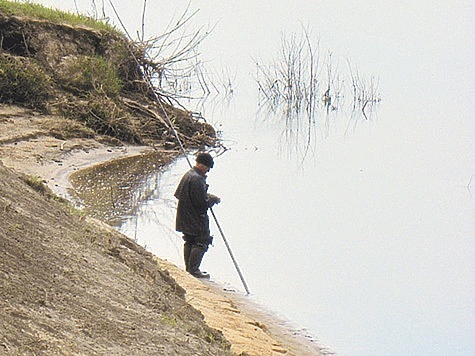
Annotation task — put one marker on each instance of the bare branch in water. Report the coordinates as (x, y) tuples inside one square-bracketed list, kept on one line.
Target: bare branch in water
[(298, 89), (365, 94)]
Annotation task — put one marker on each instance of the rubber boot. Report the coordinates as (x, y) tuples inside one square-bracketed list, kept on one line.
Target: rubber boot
[(196, 256), (186, 255)]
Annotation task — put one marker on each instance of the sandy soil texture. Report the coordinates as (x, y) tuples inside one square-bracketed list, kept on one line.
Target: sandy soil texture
[(84, 289)]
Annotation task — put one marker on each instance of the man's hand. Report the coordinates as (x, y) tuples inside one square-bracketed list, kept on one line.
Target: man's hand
[(214, 199)]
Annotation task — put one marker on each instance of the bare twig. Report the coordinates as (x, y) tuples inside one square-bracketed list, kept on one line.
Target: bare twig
[(172, 60), (137, 106), (291, 89), (143, 20)]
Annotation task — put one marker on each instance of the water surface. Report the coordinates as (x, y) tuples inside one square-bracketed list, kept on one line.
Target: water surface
[(370, 244)]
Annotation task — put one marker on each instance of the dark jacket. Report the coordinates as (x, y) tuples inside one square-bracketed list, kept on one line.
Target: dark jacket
[(193, 203)]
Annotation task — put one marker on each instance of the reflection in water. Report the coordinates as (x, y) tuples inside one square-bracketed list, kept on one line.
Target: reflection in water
[(376, 243), (113, 191), (305, 89), (135, 195)]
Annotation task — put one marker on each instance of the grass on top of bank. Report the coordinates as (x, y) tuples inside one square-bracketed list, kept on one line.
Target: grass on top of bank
[(37, 11)]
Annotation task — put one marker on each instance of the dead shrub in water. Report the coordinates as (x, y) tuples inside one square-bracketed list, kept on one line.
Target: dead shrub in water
[(365, 92), (23, 81), (304, 90)]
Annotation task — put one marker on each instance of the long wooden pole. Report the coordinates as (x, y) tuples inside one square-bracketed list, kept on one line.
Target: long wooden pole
[(230, 252)]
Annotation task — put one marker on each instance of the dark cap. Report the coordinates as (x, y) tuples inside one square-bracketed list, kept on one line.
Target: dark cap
[(206, 159)]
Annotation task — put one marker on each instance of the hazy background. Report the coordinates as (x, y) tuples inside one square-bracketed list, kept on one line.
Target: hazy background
[(370, 245)]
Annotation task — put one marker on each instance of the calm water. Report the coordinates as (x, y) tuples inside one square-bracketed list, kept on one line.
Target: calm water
[(369, 245)]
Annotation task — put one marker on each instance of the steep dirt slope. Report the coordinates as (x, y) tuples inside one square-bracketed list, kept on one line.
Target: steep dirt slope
[(72, 286)]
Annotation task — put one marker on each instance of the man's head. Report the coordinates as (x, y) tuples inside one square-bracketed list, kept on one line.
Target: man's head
[(205, 159)]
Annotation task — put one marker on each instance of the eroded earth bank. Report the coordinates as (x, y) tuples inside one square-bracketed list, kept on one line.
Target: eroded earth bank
[(69, 283)]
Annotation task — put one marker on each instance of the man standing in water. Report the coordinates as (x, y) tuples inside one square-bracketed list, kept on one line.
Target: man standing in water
[(192, 213)]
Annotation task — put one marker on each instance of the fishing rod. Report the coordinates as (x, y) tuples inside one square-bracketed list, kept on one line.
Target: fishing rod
[(175, 133)]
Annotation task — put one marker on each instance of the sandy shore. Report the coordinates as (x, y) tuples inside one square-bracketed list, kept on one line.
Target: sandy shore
[(250, 328)]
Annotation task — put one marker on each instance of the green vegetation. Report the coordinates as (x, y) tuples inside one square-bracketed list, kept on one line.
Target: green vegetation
[(14, 227), (36, 182), (27, 8), (85, 73), (69, 70), (60, 63), (23, 81)]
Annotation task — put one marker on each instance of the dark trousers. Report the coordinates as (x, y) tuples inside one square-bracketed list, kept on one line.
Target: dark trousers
[(193, 251)]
